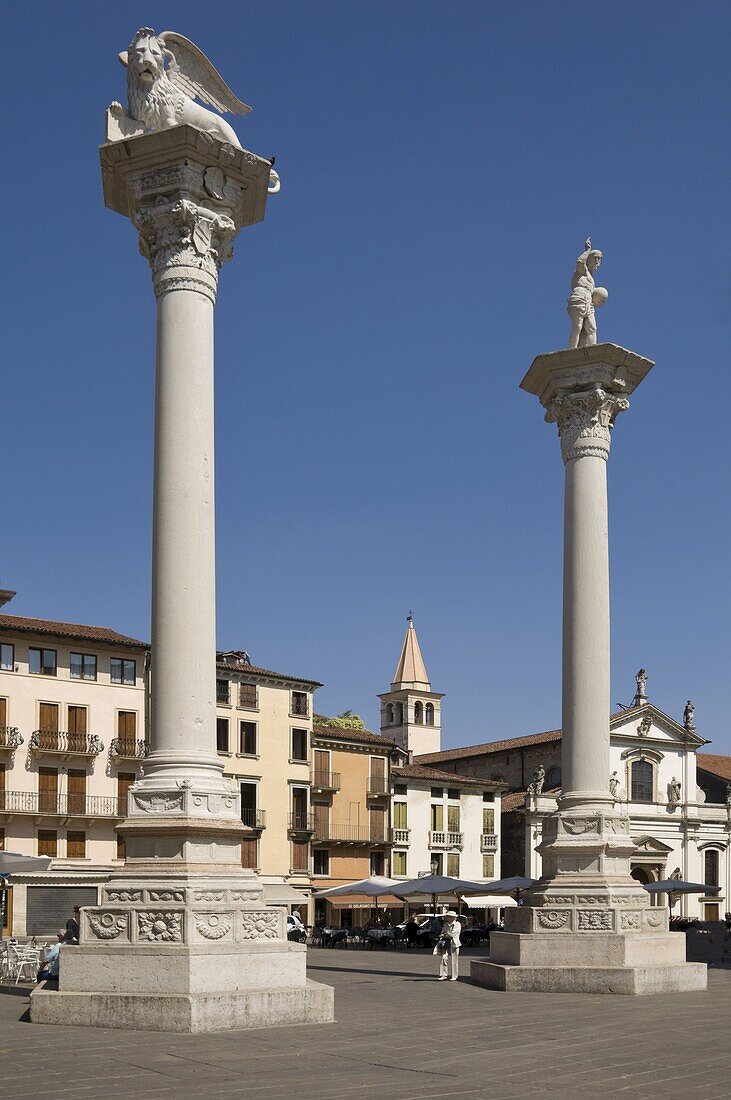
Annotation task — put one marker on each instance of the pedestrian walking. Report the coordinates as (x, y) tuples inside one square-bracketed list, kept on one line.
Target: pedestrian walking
[(448, 946)]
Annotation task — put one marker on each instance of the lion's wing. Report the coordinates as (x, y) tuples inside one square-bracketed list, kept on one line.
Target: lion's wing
[(192, 72)]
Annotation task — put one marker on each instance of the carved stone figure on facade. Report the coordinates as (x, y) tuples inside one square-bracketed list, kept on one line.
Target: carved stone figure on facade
[(641, 692), (728, 794), (674, 790), (644, 727), (585, 298), (614, 786), (689, 716), (535, 787), (160, 95)]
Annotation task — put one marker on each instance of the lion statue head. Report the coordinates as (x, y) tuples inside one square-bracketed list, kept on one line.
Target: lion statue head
[(150, 91)]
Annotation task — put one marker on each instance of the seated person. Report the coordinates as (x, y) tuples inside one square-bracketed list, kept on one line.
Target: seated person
[(51, 965)]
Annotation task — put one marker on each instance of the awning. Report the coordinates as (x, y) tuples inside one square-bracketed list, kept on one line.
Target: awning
[(490, 901), (279, 893), (360, 901)]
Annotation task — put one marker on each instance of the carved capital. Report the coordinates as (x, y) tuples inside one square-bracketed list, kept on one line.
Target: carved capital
[(584, 420), (185, 245)]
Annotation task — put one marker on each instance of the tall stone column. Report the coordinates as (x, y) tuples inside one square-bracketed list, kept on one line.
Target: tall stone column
[(183, 939), (587, 925)]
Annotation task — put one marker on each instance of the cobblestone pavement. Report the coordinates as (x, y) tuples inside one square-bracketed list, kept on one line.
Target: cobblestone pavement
[(399, 1035)]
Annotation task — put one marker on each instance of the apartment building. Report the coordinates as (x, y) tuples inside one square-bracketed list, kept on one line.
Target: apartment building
[(264, 736), (72, 722)]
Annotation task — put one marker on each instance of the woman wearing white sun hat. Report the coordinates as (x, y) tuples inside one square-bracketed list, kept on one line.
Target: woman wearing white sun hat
[(448, 947)]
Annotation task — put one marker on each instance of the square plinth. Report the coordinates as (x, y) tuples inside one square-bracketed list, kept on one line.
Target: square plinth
[(313, 1003), (623, 980)]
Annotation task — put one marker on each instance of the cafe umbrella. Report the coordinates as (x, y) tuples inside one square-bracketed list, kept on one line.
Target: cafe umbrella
[(435, 885), (17, 863)]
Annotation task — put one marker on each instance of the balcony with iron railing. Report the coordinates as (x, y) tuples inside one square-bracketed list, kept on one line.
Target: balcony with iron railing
[(123, 748), (325, 781), (60, 743), (378, 787), (440, 839), (10, 738), (325, 833), (488, 842), (50, 804), (302, 823), (401, 836), (254, 819)]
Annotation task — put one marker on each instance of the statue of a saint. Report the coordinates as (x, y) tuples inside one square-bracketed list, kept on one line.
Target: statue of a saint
[(641, 679), (535, 787), (584, 298), (728, 794), (689, 716), (674, 790), (614, 786)]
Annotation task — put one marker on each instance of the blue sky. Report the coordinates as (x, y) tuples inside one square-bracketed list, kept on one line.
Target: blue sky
[(441, 165)]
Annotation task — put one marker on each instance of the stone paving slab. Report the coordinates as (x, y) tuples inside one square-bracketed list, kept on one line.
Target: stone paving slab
[(398, 1035)]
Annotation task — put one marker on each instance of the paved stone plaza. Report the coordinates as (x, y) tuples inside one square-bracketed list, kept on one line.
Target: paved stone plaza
[(398, 1035)]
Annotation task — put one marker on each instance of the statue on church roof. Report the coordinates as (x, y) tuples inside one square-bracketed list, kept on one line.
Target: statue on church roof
[(689, 716), (535, 787), (585, 298)]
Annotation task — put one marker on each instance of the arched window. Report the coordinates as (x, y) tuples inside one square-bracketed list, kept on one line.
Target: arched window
[(389, 714), (399, 714), (553, 777), (419, 713), (642, 776), (430, 714), (710, 866)]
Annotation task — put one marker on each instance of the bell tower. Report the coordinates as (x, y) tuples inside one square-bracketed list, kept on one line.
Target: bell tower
[(411, 711)]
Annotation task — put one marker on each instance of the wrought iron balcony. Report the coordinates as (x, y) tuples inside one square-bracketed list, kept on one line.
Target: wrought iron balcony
[(378, 787), (350, 834), (10, 738), (124, 749), (65, 744), (302, 823), (254, 819), (50, 804), (401, 836), (488, 842), (326, 781), (440, 839)]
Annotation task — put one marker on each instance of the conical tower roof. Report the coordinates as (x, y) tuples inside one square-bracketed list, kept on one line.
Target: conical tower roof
[(411, 670)]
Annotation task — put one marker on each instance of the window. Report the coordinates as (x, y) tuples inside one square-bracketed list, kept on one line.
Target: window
[(378, 863), (122, 671), (247, 738), (453, 865), (400, 788), (301, 856), (399, 714), (82, 666), (248, 805), (77, 728), (399, 863), (222, 735), (76, 788), (248, 696), (642, 776), (127, 727), (124, 782), (389, 714), (453, 819), (429, 709), (250, 853), (437, 792), (47, 843), (300, 704), (437, 818), (488, 796), (419, 713), (399, 815), (299, 745), (321, 861), (553, 778), (454, 795), (7, 657), (488, 865), (488, 820), (435, 863), (223, 693), (76, 845), (42, 662), (710, 867)]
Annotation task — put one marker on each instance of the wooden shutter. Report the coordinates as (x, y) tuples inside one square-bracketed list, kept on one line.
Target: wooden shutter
[(300, 855), (399, 815), (124, 782), (2, 790), (47, 843), (3, 712), (127, 725), (437, 817), (48, 717), (488, 820), (378, 822), (75, 845), (453, 819), (248, 853), (322, 819), (48, 790), (76, 791), (322, 768)]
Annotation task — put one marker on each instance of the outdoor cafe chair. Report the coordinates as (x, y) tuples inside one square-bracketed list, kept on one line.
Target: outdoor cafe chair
[(23, 959)]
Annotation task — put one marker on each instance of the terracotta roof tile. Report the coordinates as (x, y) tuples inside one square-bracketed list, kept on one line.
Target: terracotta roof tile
[(266, 672), (19, 624), (360, 736), (515, 800), (416, 771), (489, 747), (715, 763)]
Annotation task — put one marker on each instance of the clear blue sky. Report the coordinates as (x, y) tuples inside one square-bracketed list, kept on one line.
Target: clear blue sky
[(442, 165)]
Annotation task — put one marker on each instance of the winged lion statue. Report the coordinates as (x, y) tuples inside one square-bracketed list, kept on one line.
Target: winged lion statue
[(165, 74)]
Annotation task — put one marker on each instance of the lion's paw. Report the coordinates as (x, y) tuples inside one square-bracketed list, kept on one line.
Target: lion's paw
[(117, 109)]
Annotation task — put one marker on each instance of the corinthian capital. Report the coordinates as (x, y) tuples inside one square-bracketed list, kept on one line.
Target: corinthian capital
[(185, 245), (584, 420)]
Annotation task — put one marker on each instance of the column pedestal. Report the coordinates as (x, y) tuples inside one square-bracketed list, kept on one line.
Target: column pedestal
[(182, 939), (587, 926)]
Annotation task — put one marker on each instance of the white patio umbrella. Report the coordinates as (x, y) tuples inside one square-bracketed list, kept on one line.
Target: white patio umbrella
[(511, 885), (375, 886), (679, 886), (16, 863), (435, 885)]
